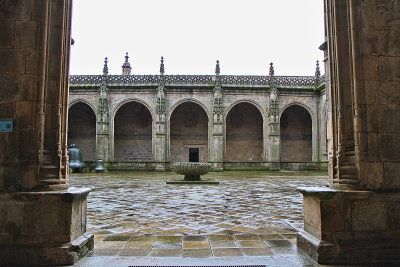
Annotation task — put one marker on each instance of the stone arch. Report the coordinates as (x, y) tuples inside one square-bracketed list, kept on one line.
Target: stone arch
[(296, 128), (90, 104), (188, 125), (133, 99), (82, 128), (244, 122), (132, 124), (297, 103), (257, 105), (185, 100)]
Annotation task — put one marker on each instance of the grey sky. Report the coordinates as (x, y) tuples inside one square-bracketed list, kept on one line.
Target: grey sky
[(192, 34)]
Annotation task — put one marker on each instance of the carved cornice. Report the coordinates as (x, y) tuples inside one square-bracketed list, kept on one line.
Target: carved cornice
[(123, 80)]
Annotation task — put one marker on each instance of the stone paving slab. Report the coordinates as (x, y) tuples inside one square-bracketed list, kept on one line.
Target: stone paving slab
[(250, 214)]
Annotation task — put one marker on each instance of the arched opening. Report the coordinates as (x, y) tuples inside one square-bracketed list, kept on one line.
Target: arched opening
[(244, 134), (82, 130), (189, 133), (132, 133), (296, 135)]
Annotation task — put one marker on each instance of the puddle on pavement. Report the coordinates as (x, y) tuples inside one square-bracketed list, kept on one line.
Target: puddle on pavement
[(140, 202)]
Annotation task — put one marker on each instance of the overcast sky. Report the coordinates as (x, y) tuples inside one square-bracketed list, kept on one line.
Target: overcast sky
[(192, 34)]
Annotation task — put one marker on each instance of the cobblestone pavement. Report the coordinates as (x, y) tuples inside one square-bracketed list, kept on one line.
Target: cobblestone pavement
[(248, 214)]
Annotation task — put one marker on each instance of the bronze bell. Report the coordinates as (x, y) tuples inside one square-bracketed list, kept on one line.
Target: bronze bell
[(75, 159), (100, 167)]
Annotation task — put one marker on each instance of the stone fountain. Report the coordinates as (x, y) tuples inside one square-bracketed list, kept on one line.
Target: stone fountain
[(192, 172)]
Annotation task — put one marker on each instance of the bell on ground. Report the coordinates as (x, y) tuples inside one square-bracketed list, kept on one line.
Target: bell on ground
[(100, 167), (75, 159)]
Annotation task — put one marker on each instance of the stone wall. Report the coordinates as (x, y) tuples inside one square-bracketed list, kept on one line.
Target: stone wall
[(244, 134), (132, 133), (217, 144)]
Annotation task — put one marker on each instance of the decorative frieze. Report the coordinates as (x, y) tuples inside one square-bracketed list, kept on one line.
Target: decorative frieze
[(115, 80)]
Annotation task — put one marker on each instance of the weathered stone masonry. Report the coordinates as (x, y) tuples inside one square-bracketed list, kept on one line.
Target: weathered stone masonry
[(355, 221), (152, 121)]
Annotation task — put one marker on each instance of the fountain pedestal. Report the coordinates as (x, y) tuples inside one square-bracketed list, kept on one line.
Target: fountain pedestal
[(192, 172)]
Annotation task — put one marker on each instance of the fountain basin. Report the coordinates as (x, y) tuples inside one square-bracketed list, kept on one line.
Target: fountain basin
[(192, 172)]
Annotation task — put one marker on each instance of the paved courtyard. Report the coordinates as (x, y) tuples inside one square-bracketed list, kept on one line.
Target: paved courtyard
[(249, 216)]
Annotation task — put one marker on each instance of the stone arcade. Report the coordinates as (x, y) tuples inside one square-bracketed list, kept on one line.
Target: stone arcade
[(355, 221), (152, 121)]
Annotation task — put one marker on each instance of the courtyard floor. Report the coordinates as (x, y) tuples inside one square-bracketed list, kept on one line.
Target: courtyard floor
[(249, 218)]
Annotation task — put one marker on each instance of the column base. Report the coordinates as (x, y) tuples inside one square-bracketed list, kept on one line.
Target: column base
[(272, 166), (44, 228), (350, 227), (160, 167), (217, 166), (65, 254)]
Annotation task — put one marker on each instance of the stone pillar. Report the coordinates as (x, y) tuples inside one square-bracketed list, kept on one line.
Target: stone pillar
[(217, 129), (103, 120), (160, 133), (356, 220), (38, 224), (317, 121), (273, 152)]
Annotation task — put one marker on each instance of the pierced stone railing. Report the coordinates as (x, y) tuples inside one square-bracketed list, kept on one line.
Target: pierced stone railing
[(291, 81)]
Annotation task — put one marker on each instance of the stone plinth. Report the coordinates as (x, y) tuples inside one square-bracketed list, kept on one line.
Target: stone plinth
[(192, 172), (44, 228), (350, 227)]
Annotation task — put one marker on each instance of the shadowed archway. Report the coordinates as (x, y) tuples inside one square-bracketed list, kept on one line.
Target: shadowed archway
[(82, 129), (244, 134), (296, 135), (189, 133), (133, 133)]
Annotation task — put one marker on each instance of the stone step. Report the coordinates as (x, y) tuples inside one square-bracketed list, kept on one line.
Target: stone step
[(348, 169), (52, 181)]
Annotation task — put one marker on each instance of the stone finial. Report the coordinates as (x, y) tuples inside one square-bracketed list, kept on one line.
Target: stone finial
[(162, 69), (126, 67), (105, 68), (317, 71), (271, 69), (217, 68)]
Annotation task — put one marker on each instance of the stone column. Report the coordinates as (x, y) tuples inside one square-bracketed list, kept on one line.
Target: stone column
[(217, 130), (317, 121), (160, 133), (38, 223), (356, 220), (273, 152), (103, 120)]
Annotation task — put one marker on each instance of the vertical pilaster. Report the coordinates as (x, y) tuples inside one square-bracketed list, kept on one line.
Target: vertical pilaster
[(273, 140), (217, 131), (160, 133), (103, 120)]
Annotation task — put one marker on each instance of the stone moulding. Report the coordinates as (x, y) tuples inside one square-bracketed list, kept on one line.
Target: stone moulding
[(302, 81)]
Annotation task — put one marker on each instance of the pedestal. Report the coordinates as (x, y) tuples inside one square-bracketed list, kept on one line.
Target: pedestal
[(44, 228), (350, 227)]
